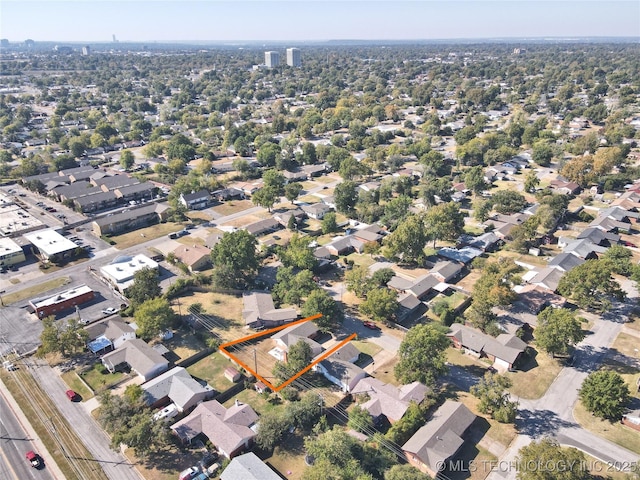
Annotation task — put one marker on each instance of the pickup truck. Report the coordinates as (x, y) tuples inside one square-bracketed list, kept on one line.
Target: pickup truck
[(34, 459)]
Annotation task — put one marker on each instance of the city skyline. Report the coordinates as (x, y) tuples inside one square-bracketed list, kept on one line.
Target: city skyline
[(313, 20)]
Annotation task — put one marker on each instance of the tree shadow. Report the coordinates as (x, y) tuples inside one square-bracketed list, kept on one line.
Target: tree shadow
[(464, 377), (539, 423), (528, 361)]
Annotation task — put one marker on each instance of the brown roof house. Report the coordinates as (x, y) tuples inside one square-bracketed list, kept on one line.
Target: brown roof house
[(440, 439), (196, 257), (231, 430), (259, 311), (388, 400), (142, 359)]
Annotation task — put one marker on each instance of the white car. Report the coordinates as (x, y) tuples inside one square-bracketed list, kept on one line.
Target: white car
[(110, 311)]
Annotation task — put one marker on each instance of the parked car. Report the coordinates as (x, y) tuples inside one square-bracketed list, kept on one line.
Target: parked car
[(189, 473), (84, 321), (371, 325), (110, 311), (34, 459)]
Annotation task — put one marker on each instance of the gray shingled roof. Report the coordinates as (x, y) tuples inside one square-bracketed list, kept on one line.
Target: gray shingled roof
[(440, 438), (248, 467), (176, 384), (389, 400)]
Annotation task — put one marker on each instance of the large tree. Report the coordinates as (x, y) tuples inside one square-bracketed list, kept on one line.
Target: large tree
[(145, 286), (380, 305), (508, 201), (65, 338), (605, 394), (265, 197), (591, 286), (491, 390), (319, 301), (292, 190), (474, 180), (345, 197), (298, 254), (292, 287), (409, 239), (558, 330), (272, 427), (444, 221), (405, 472), (153, 317), (421, 356), (236, 259), (541, 460)]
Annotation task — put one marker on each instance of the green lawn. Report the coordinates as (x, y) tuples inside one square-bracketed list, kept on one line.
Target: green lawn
[(100, 381), (288, 457), (368, 348), (75, 383), (135, 237), (211, 369), (258, 402)]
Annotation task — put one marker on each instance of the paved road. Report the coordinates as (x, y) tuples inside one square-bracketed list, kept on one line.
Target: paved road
[(14, 443), (115, 466), (552, 414)]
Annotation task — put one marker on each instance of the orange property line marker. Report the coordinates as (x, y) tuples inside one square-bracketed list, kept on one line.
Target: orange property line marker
[(224, 346)]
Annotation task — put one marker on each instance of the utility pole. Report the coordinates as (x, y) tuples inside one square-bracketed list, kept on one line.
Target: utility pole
[(255, 361)]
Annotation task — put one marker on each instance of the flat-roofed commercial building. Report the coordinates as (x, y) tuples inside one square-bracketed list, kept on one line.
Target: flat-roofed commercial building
[(43, 307), (10, 252), (120, 272), (51, 245)]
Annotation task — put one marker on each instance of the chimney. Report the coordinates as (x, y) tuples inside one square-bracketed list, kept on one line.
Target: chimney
[(237, 403)]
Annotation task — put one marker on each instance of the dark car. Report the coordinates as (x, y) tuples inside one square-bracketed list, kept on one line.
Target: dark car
[(371, 325)]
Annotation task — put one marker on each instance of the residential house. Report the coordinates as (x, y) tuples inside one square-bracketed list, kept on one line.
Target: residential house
[(504, 350), (110, 183), (139, 356), (446, 271), (109, 334), (231, 430), (462, 255), (368, 235), (96, 202), (259, 311), (283, 217), (225, 194), (262, 227), (195, 200), (175, 386), (345, 245), (565, 261), (386, 400), (195, 257), (599, 237), (307, 332), (135, 193), (339, 368), (408, 305), (248, 467), (440, 438), (565, 187), (316, 211), (584, 248), (75, 190), (548, 278), (212, 240)]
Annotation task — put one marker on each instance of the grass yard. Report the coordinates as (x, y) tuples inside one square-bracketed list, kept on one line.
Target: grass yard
[(130, 239), (503, 433), (541, 371), (199, 214), (384, 372), (211, 369), (233, 206), (368, 348), (362, 259), (628, 345), (184, 344), (190, 240), (615, 432), (258, 402), (75, 383), (34, 291), (226, 308), (100, 381), (288, 457), (634, 320), (308, 199)]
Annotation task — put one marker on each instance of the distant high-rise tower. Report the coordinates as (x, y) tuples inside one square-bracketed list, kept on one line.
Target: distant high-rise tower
[(271, 59), (86, 50), (293, 57), (113, 36)]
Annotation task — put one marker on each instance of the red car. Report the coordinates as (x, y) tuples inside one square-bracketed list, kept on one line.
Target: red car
[(34, 459), (371, 325), (71, 395)]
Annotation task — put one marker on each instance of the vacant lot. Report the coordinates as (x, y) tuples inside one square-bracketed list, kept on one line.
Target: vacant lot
[(234, 206), (34, 291), (130, 239), (165, 464), (211, 369), (225, 311), (288, 457)]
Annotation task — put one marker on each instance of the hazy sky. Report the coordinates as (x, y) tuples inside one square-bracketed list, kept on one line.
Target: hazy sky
[(297, 20)]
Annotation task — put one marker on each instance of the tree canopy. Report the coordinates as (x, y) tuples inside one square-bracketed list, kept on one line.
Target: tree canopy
[(153, 317), (319, 301), (235, 260), (605, 394), (591, 286), (421, 356), (145, 286), (546, 455), (558, 330)]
